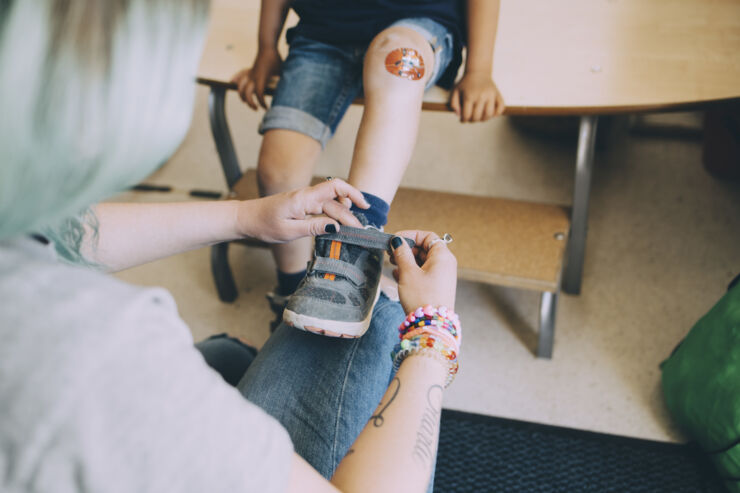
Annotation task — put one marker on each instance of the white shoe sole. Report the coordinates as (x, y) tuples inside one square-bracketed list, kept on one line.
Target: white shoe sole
[(331, 328)]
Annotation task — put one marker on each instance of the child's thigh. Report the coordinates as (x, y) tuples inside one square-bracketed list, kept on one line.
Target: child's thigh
[(318, 82)]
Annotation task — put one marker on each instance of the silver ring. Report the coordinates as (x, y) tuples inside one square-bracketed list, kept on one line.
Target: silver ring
[(446, 238)]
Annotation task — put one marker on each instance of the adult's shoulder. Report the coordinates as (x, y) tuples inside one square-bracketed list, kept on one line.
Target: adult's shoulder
[(59, 325), (100, 380), (40, 296)]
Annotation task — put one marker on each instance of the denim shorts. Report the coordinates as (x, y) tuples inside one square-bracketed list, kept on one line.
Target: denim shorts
[(319, 80)]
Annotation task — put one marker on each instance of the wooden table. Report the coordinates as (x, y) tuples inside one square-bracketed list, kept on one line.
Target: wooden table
[(573, 57)]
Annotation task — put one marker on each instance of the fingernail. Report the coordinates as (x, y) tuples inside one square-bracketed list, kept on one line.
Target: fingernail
[(396, 242), (330, 228)]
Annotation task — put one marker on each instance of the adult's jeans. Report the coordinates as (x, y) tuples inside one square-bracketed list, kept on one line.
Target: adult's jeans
[(323, 390)]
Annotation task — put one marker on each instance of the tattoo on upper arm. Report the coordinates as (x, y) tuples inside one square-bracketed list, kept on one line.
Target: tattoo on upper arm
[(378, 418), (425, 448), (406, 63)]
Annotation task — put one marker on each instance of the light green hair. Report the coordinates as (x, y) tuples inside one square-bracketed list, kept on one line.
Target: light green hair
[(94, 94)]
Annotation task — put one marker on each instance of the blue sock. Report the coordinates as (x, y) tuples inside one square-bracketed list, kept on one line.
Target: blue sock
[(288, 282), (377, 214)]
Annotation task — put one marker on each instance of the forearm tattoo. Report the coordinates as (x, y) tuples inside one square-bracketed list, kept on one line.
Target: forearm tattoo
[(378, 418), (426, 443)]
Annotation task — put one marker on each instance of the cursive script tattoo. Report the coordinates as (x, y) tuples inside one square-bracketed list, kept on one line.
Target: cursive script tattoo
[(378, 418), (425, 447)]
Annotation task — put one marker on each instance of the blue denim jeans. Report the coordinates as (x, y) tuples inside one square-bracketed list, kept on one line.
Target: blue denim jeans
[(323, 390), (319, 81)]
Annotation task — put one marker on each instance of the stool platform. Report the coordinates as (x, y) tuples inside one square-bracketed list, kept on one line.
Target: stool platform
[(496, 241)]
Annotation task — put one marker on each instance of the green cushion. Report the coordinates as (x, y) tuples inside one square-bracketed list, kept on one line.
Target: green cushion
[(701, 385)]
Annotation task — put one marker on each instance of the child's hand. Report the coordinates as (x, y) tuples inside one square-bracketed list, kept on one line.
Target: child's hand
[(252, 81), (476, 98)]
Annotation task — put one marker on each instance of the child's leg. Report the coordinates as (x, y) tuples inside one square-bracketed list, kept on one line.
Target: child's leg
[(286, 161), (318, 82), (387, 133)]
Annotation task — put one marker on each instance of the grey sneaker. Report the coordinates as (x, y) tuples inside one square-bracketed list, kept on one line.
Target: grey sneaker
[(337, 296)]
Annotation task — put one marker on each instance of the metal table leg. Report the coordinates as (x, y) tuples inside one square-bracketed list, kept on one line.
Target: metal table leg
[(548, 311), (579, 217), (220, 268)]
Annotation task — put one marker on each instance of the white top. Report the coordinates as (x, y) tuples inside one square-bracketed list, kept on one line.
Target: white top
[(102, 390)]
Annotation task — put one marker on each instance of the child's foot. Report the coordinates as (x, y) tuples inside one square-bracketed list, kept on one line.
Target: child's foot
[(342, 285), (277, 305)]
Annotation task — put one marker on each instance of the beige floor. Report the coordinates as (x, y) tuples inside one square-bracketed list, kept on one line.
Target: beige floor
[(664, 242)]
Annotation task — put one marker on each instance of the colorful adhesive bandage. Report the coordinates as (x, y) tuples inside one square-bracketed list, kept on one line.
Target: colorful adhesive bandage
[(406, 63), (430, 331)]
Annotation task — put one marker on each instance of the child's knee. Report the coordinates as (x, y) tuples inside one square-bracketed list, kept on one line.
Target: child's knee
[(282, 167), (400, 52), (275, 175)]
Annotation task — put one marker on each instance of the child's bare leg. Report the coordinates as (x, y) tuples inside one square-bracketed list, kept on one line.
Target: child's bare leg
[(387, 133), (286, 162)]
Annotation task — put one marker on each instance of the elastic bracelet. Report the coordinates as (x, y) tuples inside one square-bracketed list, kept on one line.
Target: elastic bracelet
[(430, 331), (441, 318), (445, 337), (399, 354)]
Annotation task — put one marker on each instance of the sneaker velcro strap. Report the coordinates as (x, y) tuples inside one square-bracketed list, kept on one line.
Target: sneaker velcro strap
[(368, 238), (340, 268)]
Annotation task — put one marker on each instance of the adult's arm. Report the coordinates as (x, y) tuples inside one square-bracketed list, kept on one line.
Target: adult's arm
[(396, 450), (130, 234)]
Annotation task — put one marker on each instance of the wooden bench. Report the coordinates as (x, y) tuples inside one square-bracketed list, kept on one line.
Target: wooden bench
[(509, 243), (577, 57)]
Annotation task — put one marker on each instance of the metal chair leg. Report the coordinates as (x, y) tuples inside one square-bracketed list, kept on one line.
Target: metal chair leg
[(222, 136), (222, 276), (579, 217), (548, 311)]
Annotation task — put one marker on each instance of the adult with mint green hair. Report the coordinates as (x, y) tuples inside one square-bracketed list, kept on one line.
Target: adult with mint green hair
[(101, 386)]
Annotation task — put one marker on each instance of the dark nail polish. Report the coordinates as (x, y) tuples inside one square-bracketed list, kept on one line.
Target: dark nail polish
[(330, 228), (396, 242)]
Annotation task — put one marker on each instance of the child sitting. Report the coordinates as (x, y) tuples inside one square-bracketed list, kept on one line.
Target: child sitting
[(389, 51)]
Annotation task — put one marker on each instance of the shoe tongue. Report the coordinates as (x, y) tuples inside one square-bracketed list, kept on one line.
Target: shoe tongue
[(361, 217), (348, 253)]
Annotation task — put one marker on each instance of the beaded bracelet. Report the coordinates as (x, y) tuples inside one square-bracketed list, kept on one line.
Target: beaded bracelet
[(441, 318), (430, 331), (427, 346)]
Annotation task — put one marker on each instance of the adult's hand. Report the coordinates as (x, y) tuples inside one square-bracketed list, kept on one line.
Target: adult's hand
[(309, 211), (251, 82), (426, 274)]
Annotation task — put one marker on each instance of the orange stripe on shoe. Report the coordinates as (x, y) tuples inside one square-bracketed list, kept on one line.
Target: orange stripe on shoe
[(334, 251)]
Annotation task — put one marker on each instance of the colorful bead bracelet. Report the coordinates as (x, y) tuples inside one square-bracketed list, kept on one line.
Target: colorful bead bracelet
[(442, 317), (422, 345), (430, 331)]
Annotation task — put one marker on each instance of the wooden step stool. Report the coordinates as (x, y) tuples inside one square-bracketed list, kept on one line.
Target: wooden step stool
[(496, 241)]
